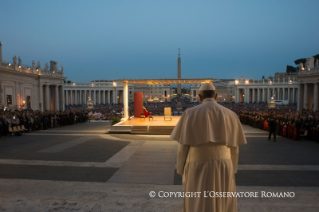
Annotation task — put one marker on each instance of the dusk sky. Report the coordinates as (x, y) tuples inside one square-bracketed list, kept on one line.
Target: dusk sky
[(107, 40)]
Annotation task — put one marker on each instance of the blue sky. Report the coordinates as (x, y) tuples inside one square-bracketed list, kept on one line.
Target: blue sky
[(140, 39)]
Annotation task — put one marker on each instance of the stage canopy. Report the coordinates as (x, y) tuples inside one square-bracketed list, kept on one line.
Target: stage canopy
[(165, 81), (126, 82)]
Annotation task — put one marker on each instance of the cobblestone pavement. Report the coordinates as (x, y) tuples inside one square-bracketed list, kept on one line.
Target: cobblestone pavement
[(80, 168)]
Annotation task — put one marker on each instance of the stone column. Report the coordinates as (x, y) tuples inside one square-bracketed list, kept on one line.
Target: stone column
[(56, 98), (85, 99), (288, 95), (315, 97), (47, 97), (115, 96), (41, 102), (76, 94), (71, 100), (62, 104), (17, 95), (125, 100), (305, 96), (253, 95), (293, 95), (94, 97), (300, 105), (79, 97), (237, 95), (67, 97), (99, 96), (246, 95), (103, 96), (108, 96)]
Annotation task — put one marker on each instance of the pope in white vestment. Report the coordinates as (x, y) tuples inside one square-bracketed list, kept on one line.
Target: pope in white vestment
[(208, 138)]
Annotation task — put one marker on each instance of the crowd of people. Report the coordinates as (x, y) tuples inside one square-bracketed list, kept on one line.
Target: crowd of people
[(17, 122), (290, 123)]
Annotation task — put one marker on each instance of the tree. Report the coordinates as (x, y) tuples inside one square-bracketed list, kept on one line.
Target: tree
[(184, 91)]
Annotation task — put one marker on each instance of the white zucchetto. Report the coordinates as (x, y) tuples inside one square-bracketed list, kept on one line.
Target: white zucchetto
[(206, 87)]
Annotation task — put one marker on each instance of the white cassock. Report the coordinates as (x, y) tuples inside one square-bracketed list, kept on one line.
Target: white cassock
[(208, 137)]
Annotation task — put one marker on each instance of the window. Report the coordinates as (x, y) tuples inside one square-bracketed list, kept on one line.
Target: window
[(28, 102), (9, 100), (130, 92)]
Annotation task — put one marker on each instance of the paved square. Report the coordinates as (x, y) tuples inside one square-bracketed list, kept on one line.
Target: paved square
[(82, 168)]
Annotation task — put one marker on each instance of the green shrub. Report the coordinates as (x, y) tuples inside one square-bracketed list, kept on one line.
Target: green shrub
[(115, 120)]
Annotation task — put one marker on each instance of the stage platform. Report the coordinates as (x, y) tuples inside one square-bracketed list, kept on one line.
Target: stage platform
[(146, 126)]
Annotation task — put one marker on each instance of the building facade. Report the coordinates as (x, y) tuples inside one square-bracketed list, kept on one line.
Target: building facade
[(281, 87), (100, 92), (308, 83), (105, 92), (31, 87), (37, 88)]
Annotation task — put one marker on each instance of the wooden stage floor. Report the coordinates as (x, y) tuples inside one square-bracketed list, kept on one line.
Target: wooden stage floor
[(157, 121)]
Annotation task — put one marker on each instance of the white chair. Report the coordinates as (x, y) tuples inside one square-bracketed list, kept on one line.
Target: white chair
[(167, 113)]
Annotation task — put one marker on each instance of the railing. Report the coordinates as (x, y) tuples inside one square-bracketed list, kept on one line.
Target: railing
[(311, 71), (29, 70), (93, 84), (266, 82)]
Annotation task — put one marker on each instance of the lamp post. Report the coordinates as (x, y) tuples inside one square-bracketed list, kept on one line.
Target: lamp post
[(246, 83), (236, 94)]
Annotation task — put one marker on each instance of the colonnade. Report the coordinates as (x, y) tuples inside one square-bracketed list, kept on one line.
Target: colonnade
[(98, 96), (254, 95), (51, 97), (308, 96)]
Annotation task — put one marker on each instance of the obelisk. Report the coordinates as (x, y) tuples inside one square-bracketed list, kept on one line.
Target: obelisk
[(179, 89), (0, 52)]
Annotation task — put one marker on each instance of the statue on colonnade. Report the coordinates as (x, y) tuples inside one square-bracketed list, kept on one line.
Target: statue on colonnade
[(33, 64), (14, 60), (46, 67), (20, 61), (39, 65)]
